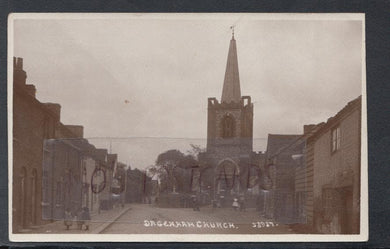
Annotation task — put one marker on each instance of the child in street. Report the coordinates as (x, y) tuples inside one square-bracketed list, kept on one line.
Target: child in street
[(235, 204), (79, 219), (68, 219), (242, 203), (195, 204), (85, 217)]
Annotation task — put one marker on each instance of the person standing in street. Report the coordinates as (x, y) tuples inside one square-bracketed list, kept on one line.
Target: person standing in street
[(235, 204), (222, 202), (79, 219), (241, 203), (86, 218), (195, 204), (68, 219)]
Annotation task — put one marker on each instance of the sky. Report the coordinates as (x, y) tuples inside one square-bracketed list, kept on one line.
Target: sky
[(143, 80)]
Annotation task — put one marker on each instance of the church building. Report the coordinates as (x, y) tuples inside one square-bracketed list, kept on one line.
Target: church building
[(230, 134)]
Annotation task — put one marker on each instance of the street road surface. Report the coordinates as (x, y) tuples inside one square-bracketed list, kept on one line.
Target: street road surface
[(145, 219)]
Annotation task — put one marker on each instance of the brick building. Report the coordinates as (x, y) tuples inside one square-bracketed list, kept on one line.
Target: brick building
[(61, 178), (75, 175), (33, 124)]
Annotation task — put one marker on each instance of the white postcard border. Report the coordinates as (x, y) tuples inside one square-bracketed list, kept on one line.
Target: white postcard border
[(363, 236)]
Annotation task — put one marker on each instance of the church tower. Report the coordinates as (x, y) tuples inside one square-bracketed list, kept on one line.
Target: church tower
[(230, 130)]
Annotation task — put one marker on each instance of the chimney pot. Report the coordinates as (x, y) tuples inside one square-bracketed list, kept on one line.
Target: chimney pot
[(31, 90), (77, 130), (20, 75), (19, 63), (55, 108), (308, 128)]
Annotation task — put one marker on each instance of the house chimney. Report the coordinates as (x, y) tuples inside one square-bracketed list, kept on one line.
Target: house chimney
[(20, 75), (31, 90), (308, 128), (55, 108), (77, 130)]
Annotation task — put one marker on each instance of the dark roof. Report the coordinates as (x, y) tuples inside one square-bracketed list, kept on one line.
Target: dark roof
[(111, 159), (84, 145), (349, 108), (101, 154), (277, 141), (298, 143)]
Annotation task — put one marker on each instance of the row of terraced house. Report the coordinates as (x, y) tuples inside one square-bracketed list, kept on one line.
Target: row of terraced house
[(53, 165)]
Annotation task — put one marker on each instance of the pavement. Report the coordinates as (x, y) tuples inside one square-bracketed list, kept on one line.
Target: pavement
[(98, 223)]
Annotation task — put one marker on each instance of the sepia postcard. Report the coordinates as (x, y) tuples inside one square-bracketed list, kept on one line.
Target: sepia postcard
[(229, 127)]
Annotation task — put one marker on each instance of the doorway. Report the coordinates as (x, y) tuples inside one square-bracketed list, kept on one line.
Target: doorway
[(345, 209)]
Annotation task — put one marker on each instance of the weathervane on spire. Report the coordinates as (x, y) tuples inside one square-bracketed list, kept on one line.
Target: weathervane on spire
[(232, 28)]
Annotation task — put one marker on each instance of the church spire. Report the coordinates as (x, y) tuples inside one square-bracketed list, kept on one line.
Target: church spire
[(231, 86)]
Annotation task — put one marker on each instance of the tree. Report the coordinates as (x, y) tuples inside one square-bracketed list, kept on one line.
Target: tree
[(138, 185), (180, 172), (195, 151), (184, 173), (168, 161)]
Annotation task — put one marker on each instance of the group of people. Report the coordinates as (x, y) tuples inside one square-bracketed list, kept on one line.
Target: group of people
[(83, 218), (238, 203)]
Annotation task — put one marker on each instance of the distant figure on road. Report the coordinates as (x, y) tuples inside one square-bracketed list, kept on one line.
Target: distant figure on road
[(156, 201), (218, 204), (241, 203), (235, 204), (258, 203), (68, 219), (85, 218), (214, 202), (222, 201), (79, 220), (195, 204)]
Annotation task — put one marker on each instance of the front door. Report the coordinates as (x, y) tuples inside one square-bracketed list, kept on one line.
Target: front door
[(345, 210)]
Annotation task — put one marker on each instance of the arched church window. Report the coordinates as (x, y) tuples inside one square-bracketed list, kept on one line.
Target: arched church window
[(227, 126)]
